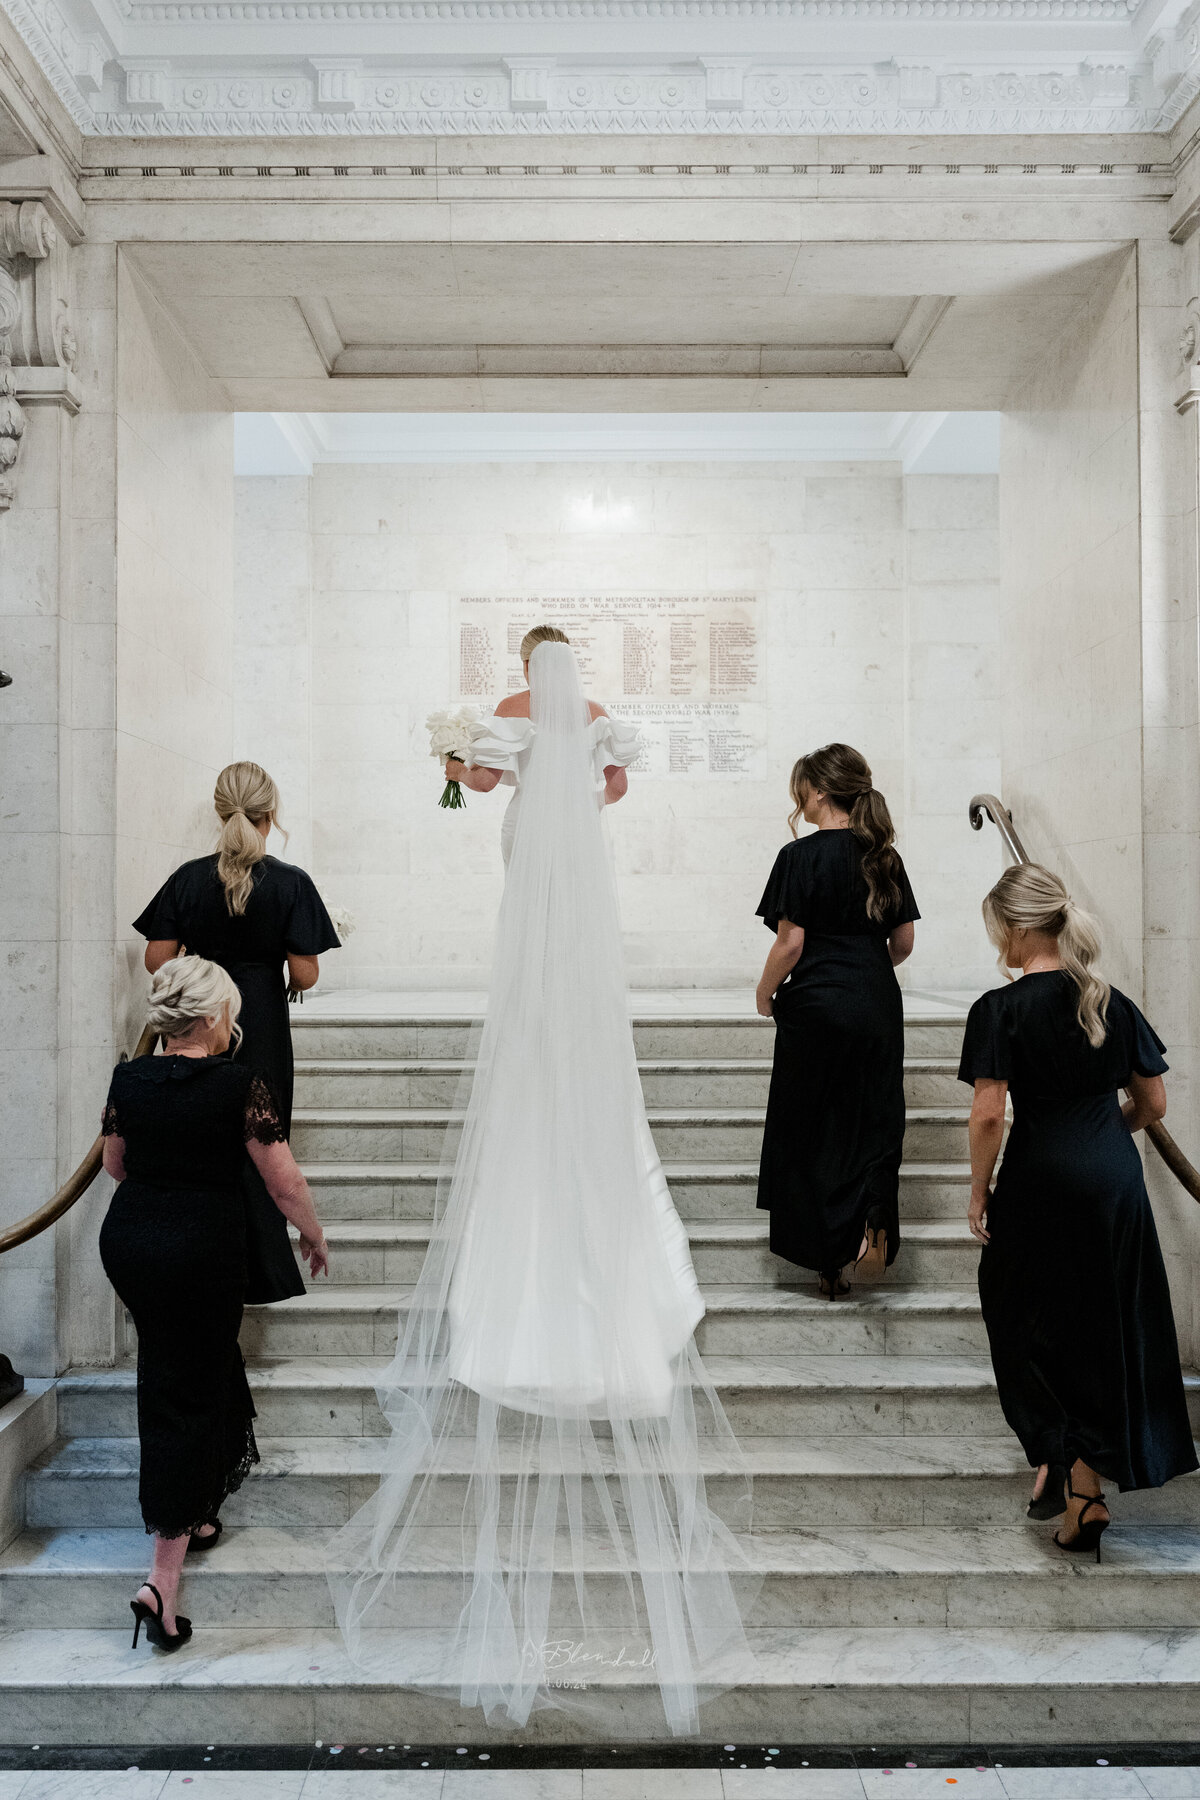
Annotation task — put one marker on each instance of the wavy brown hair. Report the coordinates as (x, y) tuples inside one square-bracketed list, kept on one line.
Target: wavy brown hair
[(843, 775)]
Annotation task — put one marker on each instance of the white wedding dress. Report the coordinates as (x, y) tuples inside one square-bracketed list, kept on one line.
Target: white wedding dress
[(543, 1530)]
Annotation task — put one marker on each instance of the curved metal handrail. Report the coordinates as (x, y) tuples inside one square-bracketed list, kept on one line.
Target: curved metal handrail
[(1184, 1171), (75, 1185), (1002, 819)]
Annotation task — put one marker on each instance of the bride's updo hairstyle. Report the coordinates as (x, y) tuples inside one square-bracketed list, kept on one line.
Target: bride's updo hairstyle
[(188, 991), (541, 634), (844, 777), (1032, 898), (244, 795)]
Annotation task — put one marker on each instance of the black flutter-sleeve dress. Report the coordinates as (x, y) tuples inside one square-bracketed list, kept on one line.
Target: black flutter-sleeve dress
[(1072, 1284), (173, 1244), (834, 1131), (284, 913)]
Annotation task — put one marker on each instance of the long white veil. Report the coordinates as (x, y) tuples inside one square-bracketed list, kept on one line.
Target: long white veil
[(543, 1529)]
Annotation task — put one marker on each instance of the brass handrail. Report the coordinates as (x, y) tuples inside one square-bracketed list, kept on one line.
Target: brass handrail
[(1184, 1171), (74, 1186)]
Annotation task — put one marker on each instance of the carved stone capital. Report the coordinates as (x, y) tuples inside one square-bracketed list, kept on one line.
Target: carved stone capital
[(12, 429), (35, 326)]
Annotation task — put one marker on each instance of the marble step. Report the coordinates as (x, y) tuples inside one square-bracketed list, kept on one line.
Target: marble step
[(739, 1321), (932, 1253), (400, 1190), (682, 1133), (318, 1035), (744, 1081), (922, 1685), (781, 1396), (799, 1483), (1012, 1576)]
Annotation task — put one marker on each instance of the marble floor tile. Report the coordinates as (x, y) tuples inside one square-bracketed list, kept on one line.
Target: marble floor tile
[(792, 1784), (1070, 1784), (652, 1784), (373, 1784), (1166, 1784), (95, 1784), (11, 1783), (923, 1784), (234, 1784), (513, 1784)]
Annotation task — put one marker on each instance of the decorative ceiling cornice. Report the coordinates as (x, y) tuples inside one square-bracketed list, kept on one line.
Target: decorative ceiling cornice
[(265, 68)]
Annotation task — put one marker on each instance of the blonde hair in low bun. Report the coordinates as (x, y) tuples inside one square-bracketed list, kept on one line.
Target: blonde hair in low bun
[(189, 990), (244, 794), (1032, 898), (541, 634)]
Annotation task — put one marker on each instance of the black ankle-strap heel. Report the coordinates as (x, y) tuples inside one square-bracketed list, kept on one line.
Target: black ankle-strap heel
[(1089, 1531), (1050, 1503), (158, 1636)]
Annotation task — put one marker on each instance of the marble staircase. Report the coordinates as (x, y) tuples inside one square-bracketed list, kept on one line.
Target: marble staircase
[(904, 1595)]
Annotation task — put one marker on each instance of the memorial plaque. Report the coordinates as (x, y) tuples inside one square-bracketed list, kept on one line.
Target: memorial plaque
[(686, 668)]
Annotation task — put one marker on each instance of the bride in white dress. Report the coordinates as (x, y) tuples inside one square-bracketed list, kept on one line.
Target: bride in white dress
[(543, 1533)]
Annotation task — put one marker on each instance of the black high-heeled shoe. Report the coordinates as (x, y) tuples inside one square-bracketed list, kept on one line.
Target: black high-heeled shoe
[(159, 1637), (1088, 1532), (198, 1543), (873, 1261), (1051, 1502), (831, 1285)]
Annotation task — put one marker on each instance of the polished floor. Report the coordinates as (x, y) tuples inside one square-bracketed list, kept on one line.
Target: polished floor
[(1097, 1780)]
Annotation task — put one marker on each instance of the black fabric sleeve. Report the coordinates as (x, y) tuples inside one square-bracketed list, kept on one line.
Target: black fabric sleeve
[(907, 912), (261, 1123), (110, 1125), (161, 918), (785, 896), (1146, 1050), (309, 930), (987, 1044)]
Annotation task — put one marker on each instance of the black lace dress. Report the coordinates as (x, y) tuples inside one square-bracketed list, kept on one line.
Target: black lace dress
[(284, 913), (173, 1245)]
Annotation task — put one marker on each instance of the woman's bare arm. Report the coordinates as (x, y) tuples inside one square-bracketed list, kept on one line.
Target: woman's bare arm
[(900, 944), (616, 784), (114, 1157), (479, 779), (1147, 1101), (986, 1133), (289, 1190), (302, 972), (159, 951), (782, 958)]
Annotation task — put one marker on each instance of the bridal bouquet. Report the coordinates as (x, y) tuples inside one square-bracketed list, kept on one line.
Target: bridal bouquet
[(340, 917), (450, 735)]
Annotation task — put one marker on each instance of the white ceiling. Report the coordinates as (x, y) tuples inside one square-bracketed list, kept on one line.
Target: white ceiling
[(965, 443), (299, 67)]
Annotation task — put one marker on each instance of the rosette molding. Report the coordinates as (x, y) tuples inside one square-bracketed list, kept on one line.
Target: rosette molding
[(37, 345), (297, 68)]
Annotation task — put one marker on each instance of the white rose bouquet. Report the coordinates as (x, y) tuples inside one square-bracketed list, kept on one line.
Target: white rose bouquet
[(450, 735), (341, 918)]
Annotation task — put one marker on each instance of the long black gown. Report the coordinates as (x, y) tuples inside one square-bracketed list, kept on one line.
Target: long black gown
[(1072, 1283), (284, 913), (834, 1132), (173, 1244)]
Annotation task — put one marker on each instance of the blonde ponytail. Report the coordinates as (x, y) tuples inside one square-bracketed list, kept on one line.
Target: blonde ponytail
[(244, 794), (1032, 898)]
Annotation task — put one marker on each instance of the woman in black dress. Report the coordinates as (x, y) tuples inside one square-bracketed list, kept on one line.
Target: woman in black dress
[(1071, 1279), (176, 1131), (251, 914), (841, 907)]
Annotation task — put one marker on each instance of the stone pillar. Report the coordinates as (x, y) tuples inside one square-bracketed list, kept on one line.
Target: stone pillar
[(56, 747)]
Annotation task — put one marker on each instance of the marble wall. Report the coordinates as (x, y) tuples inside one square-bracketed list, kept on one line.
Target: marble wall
[(175, 631), (1070, 617), (879, 598)]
